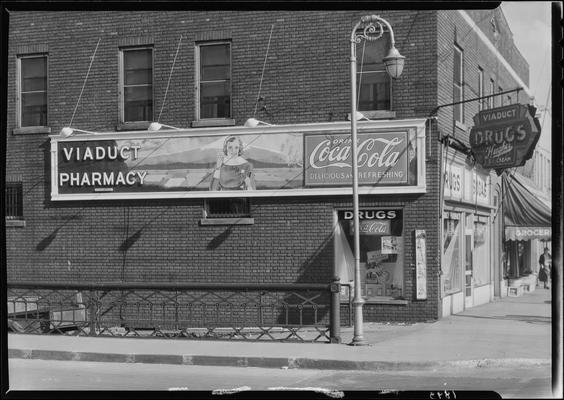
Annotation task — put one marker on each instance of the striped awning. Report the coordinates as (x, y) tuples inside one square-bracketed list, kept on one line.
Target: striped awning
[(526, 217)]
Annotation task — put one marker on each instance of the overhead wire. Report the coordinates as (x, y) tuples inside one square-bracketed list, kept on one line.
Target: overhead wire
[(84, 82), (263, 68), (169, 77)]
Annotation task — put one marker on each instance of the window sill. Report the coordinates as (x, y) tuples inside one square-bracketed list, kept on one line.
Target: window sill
[(29, 130), (203, 123), (227, 221), (133, 126), (15, 223), (385, 300), (376, 114), (460, 126)]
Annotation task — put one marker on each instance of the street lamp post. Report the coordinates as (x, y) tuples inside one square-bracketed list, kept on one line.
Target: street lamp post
[(373, 30)]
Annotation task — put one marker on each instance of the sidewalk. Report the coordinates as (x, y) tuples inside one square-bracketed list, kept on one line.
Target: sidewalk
[(511, 332)]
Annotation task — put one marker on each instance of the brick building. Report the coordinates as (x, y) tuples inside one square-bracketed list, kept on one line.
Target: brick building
[(70, 218)]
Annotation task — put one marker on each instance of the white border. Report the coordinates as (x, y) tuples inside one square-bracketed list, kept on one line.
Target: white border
[(329, 127)]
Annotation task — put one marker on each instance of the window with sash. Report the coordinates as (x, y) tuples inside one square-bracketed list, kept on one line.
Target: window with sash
[(482, 102), (458, 84), (137, 84), (32, 90), (213, 80), (374, 85), (492, 91)]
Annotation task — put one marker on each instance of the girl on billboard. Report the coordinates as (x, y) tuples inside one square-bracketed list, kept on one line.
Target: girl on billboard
[(232, 172)]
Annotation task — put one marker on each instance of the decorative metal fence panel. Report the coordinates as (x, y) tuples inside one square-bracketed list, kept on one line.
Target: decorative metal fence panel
[(289, 312)]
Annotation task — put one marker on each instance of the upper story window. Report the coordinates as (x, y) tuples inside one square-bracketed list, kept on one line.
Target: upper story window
[(374, 85), (492, 91), (482, 103), (137, 84), (458, 84), (501, 100), (32, 90), (213, 80)]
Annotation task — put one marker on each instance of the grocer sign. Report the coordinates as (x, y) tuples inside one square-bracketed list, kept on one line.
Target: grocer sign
[(528, 233), (283, 160), (504, 137)]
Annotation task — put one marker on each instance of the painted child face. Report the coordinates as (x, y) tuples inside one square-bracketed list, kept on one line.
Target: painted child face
[(233, 148)]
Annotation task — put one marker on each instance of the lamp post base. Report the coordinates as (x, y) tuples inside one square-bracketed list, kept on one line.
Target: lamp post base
[(358, 342), (358, 338)]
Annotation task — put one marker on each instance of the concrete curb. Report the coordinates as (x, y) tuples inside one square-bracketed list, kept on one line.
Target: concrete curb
[(272, 362)]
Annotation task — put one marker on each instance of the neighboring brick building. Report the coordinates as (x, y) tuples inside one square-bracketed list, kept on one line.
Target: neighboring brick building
[(149, 66)]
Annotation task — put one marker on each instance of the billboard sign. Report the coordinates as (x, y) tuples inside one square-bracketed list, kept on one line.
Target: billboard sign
[(290, 160)]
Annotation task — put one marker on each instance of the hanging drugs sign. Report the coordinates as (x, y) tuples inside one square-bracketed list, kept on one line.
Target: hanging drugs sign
[(504, 137)]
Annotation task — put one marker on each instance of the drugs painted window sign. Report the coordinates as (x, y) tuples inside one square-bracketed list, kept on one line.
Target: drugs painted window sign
[(274, 162)]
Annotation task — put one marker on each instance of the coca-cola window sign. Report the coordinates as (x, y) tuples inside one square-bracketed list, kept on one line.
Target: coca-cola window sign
[(384, 158), (284, 160)]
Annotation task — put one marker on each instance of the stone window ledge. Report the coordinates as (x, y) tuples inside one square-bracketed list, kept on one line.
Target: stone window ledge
[(30, 130), (385, 300), (377, 114), (461, 126), (203, 123), (15, 223), (133, 126), (227, 221)]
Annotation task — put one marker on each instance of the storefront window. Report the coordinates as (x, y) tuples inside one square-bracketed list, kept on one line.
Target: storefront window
[(451, 267), (481, 254), (381, 252)]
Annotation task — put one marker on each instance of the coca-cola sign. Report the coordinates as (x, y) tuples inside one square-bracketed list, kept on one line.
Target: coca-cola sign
[(368, 227), (384, 158), (504, 137)]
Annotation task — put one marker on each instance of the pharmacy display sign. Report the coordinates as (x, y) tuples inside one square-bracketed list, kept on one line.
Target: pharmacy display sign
[(504, 137)]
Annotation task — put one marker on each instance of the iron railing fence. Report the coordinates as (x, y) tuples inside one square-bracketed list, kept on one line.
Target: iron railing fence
[(279, 312)]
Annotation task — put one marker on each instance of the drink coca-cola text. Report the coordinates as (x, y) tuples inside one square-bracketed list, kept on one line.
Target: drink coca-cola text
[(371, 152)]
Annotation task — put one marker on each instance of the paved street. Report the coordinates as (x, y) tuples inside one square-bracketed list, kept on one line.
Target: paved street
[(502, 346), (70, 375)]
